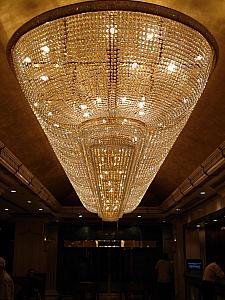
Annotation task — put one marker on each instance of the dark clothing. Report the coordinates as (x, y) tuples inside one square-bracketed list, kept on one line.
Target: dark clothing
[(32, 288), (208, 290), (164, 290)]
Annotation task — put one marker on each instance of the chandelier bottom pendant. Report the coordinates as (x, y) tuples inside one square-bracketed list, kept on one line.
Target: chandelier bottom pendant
[(112, 84)]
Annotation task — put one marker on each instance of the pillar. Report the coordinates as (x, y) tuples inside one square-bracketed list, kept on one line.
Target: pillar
[(179, 261), (29, 249), (51, 247)]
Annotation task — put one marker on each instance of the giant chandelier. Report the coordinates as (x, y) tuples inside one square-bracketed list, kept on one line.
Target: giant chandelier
[(112, 84)]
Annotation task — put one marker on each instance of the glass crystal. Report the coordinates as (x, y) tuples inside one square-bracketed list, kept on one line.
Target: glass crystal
[(112, 90)]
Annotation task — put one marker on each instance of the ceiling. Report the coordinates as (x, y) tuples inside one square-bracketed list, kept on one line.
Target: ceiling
[(22, 135)]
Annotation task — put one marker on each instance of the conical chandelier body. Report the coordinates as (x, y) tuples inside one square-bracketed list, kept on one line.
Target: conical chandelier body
[(112, 84)]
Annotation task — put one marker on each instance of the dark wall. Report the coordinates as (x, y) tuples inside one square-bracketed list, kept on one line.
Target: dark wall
[(215, 241), (7, 231), (106, 231), (110, 268)]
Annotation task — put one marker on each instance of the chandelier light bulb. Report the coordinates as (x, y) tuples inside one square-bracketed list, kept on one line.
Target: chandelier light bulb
[(45, 50), (115, 83)]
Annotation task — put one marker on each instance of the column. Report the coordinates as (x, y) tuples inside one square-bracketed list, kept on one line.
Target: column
[(51, 246), (179, 262), (29, 249), (168, 242)]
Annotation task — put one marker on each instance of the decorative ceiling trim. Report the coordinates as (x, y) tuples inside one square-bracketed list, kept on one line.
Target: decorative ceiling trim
[(15, 166), (215, 161)]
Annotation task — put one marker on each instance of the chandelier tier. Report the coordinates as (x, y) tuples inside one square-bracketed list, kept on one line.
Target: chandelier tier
[(112, 84)]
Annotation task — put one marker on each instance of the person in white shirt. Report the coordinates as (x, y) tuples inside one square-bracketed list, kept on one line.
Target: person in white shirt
[(211, 273), (6, 283), (163, 269)]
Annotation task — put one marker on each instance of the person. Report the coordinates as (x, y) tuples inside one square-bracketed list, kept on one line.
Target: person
[(6, 283), (163, 269), (212, 272)]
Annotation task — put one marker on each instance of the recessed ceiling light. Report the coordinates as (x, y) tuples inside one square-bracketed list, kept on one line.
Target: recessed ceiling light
[(13, 191), (198, 225), (6, 209), (139, 216), (40, 209), (202, 193), (28, 201), (164, 221), (80, 216), (215, 220)]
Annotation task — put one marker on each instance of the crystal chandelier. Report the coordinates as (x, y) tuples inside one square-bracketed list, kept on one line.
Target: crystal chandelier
[(112, 84)]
